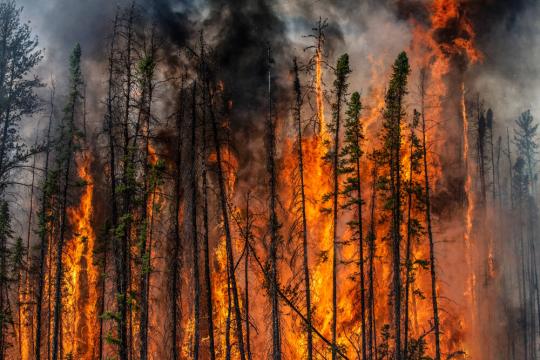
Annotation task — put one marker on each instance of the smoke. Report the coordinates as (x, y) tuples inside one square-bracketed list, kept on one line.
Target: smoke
[(508, 36)]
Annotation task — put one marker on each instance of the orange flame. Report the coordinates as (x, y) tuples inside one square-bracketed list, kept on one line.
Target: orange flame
[(82, 275)]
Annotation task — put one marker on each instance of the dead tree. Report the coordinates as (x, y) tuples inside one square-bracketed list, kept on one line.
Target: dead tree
[(273, 221), (298, 120), (432, 263)]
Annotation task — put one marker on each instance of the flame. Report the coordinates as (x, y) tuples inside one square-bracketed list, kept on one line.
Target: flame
[(80, 325)]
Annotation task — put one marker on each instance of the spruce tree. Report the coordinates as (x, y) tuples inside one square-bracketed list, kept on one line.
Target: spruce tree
[(350, 158), (341, 85), (66, 147), (393, 116)]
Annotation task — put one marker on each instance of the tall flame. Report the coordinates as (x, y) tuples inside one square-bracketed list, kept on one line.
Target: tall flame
[(80, 323)]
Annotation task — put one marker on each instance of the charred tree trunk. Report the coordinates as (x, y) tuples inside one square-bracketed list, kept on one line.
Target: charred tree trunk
[(149, 187), (247, 237), (177, 243), (122, 255), (299, 139), (371, 238), (206, 244), (194, 231), (274, 224), (228, 238), (432, 263)]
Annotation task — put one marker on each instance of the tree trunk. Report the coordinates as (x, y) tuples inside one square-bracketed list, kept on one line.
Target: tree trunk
[(176, 264), (432, 262), (228, 238), (298, 119), (274, 225), (206, 245), (194, 231), (408, 263)]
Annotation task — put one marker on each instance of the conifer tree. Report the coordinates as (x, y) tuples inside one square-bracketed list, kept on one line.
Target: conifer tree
[(43, 232), (393, 115), (350, 158), (341, 73), (414, 228), (525, 140), (67, 145)]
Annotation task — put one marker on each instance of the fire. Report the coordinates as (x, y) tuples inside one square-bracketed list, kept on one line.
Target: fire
[(80, 337)]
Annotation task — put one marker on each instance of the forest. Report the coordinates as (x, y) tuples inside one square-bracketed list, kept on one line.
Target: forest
[(257, 179)]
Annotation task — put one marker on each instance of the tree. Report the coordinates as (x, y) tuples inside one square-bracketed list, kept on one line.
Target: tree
[(273, 220), (427, 199), (298, 122), (350, 158), (525, 139), (414, 228), (65, 150), (18, 57), (227, 230), (43, 231), (393, 115), (341, 73), (146, 70), (175, 219)]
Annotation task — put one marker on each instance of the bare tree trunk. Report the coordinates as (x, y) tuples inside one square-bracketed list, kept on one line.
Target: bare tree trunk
[(194, 231), (177, 244), (430, 234), (298, 119), (207, 269), (228, 238), (274, 225), (247, 236), (371, 304)]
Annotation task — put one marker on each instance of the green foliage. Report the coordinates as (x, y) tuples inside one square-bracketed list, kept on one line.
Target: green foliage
[(19, 56), (525, 138), (341, 73)]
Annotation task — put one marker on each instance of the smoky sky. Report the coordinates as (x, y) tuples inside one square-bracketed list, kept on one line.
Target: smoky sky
[(240, 31)]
